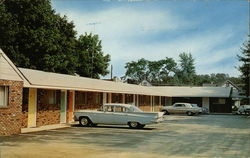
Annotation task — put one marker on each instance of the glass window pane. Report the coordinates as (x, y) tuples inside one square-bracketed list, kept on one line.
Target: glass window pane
[(2, 97)]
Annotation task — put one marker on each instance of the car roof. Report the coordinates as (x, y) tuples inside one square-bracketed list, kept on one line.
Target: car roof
[(245, 105), (118, 104), (182, 103)]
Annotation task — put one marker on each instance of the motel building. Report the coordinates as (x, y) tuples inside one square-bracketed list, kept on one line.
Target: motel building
[(31, 98)]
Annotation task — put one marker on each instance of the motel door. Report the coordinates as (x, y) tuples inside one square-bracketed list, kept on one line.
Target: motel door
[(63, 106)]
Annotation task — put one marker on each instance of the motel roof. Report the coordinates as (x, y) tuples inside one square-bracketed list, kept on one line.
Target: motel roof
[(175, 91), (42, 79), (49, 80)]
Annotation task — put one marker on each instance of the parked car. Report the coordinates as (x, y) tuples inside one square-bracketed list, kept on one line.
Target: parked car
[(244, 109), (181, 108), (204, 109), (118, 114)]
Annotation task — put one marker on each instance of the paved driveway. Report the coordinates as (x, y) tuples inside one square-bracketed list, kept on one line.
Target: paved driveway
[(178, 136)]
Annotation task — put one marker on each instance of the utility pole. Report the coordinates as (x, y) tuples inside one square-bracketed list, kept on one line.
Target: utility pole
[(92, 53), (111, 72)]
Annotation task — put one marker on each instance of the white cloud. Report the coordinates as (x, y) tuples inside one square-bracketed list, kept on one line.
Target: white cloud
[(121, 28), (122, 22)]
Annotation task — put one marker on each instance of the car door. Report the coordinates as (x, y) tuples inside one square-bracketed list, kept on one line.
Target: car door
[(106, 116), (186, 107), (178, 108), (120, 115)]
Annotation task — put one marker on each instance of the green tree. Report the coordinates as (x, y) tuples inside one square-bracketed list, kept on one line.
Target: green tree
[(186, 72), (154, 71), (92, 62), (245, 67), (169, 67), (202, 79), (218, 78), (137, 70), (36, 37)]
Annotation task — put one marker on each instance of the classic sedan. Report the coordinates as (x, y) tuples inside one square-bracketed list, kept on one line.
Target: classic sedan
[(244, 109), (181, 108), (118, 114)]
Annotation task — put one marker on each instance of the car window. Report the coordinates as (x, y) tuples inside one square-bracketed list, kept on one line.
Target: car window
[(135, 109), (108, 108), (194, 105), (179, 105), (120, 109)]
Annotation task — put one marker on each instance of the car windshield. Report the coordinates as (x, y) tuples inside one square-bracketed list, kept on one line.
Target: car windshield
[(135, 109), (194, 105)]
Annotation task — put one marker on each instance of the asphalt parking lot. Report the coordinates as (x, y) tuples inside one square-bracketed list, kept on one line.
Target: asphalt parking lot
[(216, 136)]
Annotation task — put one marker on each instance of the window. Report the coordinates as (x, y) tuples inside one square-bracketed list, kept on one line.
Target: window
[(219, 101), (179, 105), (48, 97), (120, 109), (4, 96), (52, 96), (108, 108)]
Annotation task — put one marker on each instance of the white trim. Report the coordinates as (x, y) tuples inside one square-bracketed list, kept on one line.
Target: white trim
[(63, 119), (5, 96)]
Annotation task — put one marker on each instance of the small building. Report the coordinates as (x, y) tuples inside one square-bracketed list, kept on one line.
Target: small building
[(32, 98)]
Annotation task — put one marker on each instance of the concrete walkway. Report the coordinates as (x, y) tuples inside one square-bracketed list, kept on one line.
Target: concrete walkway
[(44, 128)]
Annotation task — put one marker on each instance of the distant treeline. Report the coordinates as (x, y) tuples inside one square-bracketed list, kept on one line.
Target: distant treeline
[(168, 72)]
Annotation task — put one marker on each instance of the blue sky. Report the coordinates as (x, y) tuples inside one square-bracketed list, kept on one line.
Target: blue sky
[(212, 31)]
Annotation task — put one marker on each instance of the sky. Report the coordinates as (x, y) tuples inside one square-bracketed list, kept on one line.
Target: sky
[(212, 31)]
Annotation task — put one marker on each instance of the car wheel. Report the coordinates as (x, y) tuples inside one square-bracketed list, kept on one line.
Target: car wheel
[(189, 113), (84, 121), (134, 124)]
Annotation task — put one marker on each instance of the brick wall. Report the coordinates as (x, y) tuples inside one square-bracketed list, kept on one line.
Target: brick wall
[(47, 114), (10, 117)]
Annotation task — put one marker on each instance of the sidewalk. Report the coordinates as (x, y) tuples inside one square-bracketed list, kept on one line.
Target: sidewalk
[(44, 128)]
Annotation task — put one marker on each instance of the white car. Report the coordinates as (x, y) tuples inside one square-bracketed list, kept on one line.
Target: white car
[(181, 108), (118, 114), (244, 109)]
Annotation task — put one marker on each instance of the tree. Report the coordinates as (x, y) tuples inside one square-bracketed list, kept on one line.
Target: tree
[(154, 71), (137, 70), (34, 36), (186, 71), (92, 61), (245, 67), (169, 67), (218, 78)]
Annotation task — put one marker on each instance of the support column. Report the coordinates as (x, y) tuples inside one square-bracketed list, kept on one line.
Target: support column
[(134, 99), (137, 100), (123, 98), (63, 106), (205, 102), (32, 107), (160, 101), (151, 102), (104, 98), (71, 106), (109, 97)]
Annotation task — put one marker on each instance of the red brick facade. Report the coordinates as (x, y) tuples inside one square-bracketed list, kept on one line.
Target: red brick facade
[(47, 115), (10, 116)]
